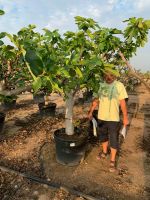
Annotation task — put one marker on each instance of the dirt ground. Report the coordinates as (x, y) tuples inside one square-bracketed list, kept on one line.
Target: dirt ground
[(27, 146)]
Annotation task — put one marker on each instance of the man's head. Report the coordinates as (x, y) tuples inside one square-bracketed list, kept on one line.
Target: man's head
[(109, 77)]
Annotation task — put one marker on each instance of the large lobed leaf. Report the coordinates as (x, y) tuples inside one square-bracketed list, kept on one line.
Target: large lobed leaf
[(35, 62)]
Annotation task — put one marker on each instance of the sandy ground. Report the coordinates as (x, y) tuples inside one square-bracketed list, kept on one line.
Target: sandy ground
[(27, 145)]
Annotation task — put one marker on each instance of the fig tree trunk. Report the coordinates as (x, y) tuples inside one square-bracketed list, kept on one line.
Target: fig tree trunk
[(69, 113)]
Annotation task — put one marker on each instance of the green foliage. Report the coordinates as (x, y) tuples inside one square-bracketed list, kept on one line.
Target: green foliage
[(35, 62), (78, 59), (1, 42), (12, 69), (7, 99), (85, 23), (68, 63), (37, 84), (2, 12), (2, 35), (136, 35)]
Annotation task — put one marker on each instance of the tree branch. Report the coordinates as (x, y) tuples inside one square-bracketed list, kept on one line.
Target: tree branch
[(16, 91), (133, 72)]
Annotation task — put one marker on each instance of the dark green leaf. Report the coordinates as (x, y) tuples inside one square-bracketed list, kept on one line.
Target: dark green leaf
[(2, 35), (147, 22), (2, 12), (9, 47), (35, 62), (115, 31), (1, 42)]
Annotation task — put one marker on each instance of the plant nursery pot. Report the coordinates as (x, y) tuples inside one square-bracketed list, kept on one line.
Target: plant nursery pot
[(70, 150), (39, 98), (9, 105), (49, 109), (2, 120)]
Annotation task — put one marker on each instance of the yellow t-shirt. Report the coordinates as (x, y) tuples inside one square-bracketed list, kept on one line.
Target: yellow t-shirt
[(109, 97)]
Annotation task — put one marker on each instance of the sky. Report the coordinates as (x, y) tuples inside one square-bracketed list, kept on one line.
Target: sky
[(59, 14)]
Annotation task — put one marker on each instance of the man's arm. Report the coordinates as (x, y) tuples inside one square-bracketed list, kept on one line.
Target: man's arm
[(94, 104), (124, 111)]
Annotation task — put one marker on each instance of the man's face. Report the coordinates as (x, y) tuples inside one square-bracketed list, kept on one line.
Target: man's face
[(109, 78)]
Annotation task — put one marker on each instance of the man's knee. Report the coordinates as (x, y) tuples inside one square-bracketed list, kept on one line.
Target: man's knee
[(114, 141)]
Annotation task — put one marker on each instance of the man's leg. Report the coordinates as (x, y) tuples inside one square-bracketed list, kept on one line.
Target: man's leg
[(105, 147), (103, 137), (114, 143), (113, 154), (103, 154), (112, 167)]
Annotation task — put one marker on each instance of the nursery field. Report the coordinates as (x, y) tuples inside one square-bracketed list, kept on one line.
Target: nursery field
[(28, 167)]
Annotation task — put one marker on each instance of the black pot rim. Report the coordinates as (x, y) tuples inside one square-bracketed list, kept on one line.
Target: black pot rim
[(51, 106), (69, 138)]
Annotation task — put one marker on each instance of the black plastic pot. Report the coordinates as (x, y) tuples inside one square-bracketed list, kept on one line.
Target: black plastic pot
[(49, 109), (70, 150), (39, 98), (2, 121)]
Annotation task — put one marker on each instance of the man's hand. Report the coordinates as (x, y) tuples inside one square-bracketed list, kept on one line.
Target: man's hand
[(124, 111), (92, 107)]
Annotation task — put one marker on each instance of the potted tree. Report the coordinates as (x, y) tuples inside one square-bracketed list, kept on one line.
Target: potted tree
[(13, 74), (77, 61), (65, 64), (9, 102), (88, 53), (27, 40)]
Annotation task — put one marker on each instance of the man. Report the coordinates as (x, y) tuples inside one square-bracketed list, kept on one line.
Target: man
[(111, 96)]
